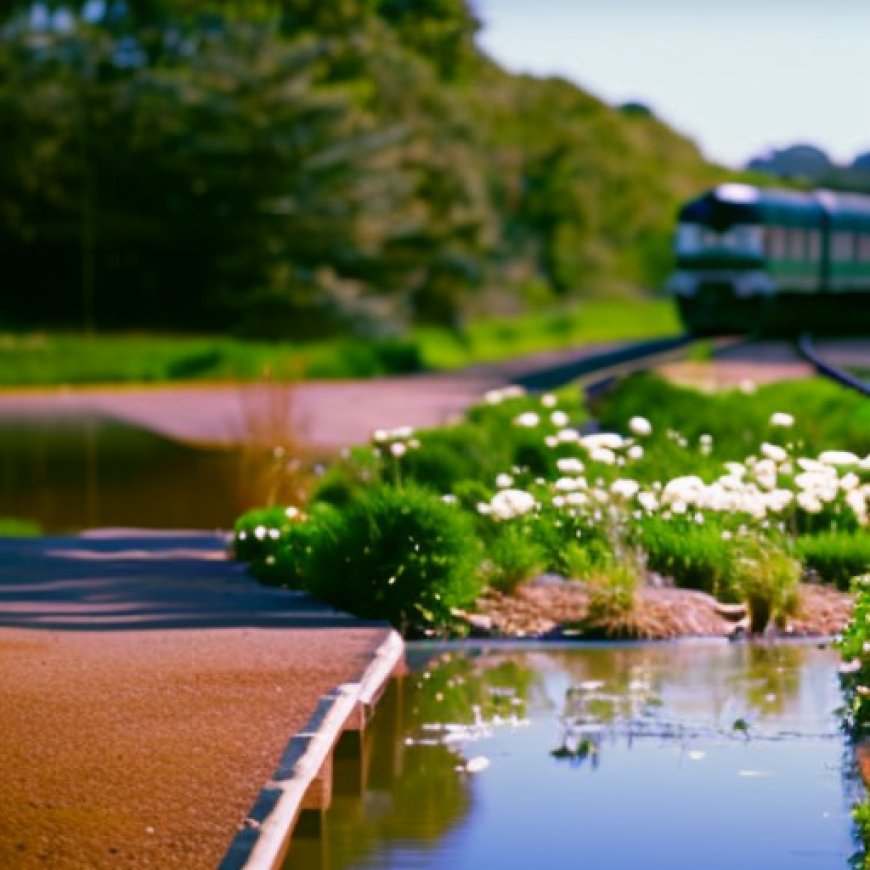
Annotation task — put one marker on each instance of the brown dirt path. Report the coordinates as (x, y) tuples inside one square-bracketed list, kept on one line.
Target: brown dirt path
[(148, 688)]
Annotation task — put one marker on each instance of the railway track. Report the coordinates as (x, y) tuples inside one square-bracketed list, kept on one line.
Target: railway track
[(825, 368)]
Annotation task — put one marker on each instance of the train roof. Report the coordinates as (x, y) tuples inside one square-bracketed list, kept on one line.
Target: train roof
[(729, 204)]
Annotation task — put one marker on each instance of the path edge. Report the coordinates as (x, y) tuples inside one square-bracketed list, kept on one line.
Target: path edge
[(264, 837)]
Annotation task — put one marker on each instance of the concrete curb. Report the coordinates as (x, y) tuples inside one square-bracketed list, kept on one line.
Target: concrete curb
[(303, 779)]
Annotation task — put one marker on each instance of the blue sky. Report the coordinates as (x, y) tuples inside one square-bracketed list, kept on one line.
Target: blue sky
[(738, 77)]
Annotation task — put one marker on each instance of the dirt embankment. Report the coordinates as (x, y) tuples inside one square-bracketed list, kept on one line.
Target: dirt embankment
[(553, 608)]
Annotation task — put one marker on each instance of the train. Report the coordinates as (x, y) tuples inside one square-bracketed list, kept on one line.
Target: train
[(763, 260)]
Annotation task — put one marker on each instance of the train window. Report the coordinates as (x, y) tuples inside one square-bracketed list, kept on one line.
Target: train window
[(864, 248), (689, 238), (814, 245), (776, 243), (842, 247), (796, 244)]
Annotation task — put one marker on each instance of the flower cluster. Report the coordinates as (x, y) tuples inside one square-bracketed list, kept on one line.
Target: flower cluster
[(395, 442)]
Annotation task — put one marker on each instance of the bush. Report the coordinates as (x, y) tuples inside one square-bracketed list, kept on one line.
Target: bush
[(397, 554), (512, 557), (695, 556), (257, 532), (765, 576), (854, 647), (836, 557)]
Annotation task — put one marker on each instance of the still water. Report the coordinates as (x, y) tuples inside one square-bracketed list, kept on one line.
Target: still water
[(684, 757), (72, 473)]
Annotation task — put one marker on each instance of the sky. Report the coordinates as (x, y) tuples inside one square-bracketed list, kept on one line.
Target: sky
[(740, 77)]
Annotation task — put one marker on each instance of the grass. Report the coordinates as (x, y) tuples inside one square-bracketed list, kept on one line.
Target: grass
[(49, 359)]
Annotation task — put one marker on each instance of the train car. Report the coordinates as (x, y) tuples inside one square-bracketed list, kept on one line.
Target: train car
[(751, 259)]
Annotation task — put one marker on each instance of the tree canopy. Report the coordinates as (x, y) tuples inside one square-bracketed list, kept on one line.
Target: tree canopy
[(293, 167)]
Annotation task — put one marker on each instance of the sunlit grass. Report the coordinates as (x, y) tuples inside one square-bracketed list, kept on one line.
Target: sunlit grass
[(56, 358)]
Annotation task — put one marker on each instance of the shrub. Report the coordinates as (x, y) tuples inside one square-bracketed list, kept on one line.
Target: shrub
[(397, 554), (696, 556), (513, 557), (257, 532), (836, 557), (854, 647), (765, 575), (611, 610)]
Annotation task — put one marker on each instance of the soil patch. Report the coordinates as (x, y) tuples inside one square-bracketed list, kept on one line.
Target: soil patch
[(555, 608)]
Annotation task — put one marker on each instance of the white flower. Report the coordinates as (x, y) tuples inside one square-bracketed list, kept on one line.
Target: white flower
[(736, 468), (510, 503), (398, 449), (765, 472), (858, 503), (449, 498), (815, 466), (779, 499), (640, 426), (808, 502), (503, 481), (648, 501), (839, 457), (602, 454), (260, 533), (609, 440), (496, 397), (527, 420), (559, 418), (551, 441), (849, 481), (781, 419), (851, 667), (635, 452), (624, 487), (774, 452), (569, 465), (746, 386), (548, 400), (566, 436), (679, 507), (568, 484), (577, 499)]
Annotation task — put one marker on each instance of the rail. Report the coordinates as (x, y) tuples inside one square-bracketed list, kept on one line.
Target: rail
[(619, 360), (827, 369)]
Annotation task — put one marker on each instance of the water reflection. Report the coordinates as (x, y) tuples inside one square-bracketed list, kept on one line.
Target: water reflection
[(68, 473), (674, 756)]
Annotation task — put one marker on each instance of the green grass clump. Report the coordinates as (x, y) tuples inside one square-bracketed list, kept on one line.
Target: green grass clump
[(765, 575), (13, 527), (837, 557), (512, 558), (697, 556)]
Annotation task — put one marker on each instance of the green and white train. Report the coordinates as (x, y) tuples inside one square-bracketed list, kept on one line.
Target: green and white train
[(751, 259)]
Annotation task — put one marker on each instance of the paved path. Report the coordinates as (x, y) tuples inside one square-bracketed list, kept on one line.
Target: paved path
[(324, 415), (147, 690)]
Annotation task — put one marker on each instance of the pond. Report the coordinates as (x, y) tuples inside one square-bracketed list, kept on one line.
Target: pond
[(679, 756), (68, 473)]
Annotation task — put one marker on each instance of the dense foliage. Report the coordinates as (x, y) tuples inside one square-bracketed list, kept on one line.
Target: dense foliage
[(742, 510), (294, 168)]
